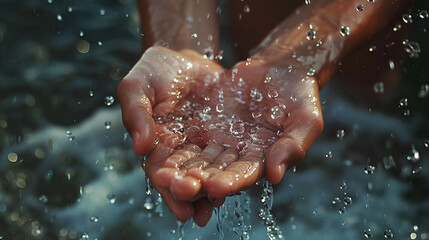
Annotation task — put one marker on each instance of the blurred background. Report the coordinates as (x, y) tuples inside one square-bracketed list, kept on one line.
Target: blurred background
[(68, 171)]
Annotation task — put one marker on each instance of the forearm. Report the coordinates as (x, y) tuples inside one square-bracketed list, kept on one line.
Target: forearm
[(180, 24), (312, 39)]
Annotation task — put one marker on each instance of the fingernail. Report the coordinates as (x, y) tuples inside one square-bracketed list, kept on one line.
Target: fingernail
[(136, 136), (281, 170)]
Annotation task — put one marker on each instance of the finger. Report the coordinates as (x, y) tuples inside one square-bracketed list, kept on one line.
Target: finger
[(203, 211), (238, 175), (181, 209), (135, 96), (153, 163), (222, 161), (185, 187), (301, 130), (207, 156), (180, 156)]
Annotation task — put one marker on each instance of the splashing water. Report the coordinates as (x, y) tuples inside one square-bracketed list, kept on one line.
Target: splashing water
[(273, 231)]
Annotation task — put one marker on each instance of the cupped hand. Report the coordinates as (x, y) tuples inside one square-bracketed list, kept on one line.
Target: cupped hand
[(159, 80), (256, 120)]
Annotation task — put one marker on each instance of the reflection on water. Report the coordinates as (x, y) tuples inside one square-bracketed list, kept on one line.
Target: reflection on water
[(67, 169)]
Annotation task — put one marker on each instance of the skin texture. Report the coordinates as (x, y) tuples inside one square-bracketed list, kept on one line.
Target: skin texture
[(271, 112)]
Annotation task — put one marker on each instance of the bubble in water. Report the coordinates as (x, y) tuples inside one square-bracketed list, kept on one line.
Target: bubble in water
[(426, 142), (379, 87), (348, 201), (43, 199), (272, 93), (93, 219), (367, 233), (403, 102), (388, 233), (359, 8), (107, 124), (424, 90), (388, 162), (311, 34), (246, 8), (407, 18), (340, 134), (109, 100), (59, 18), (423, 14), (112, 198), (369, 170), (412, 48), (345, 31)]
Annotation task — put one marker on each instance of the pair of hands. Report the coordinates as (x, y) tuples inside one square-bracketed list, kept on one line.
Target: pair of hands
[(211, 132)]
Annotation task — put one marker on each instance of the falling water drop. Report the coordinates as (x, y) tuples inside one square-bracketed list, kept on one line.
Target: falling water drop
[(367, 233), (379, 87), (43, 199), (112, 198), (59, 18), (403, 102), (423, 14), (91, 93), (388, 162), (413, 155), (84, 236), (246, 8), (341, 133), (109, 100), (107, 124), (423, 91), (93, 219), (388, 233), (407, 18), (426, 142), (348, 201), (345, 31), (343, 185), (369, 170), (329, 154), (412, 48)]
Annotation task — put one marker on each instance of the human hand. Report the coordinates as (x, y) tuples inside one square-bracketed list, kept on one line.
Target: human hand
[(257, 118), (154, 86)]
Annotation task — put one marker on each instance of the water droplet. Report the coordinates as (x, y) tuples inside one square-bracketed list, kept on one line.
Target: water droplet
[(311, 34), (59, 18), (109, 100), (423, 14), (219, 107), (43, 199), (209, 54), (343, 186), (424, 90), (91, 93), (342, 210), (272, 93), (93, 219), (246, 8), (70, 9), (412, 48), (329, 154), (256, 114), (348, 201), (379, 87), (109, 167), (388, 233), (49, 1), (371, 1), (256, 95), (345, 31), (84, 236), (359, 8), (341, 133), (367, 233), (426, 142), (112, 198), (148, 205), (391, 64), (372, 48), (237, 127), (388, 162), (68, 133), (81, 33), (307, 2), (102, 12), (311, 72), (276, 112), (107, 124), (413, 155), (194, 35), (99, 43), (403, 102), (417, 170), (406, 113), (369, 170), (407, 18)]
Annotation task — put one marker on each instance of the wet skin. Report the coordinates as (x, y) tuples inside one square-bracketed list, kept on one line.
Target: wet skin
[(201, 155)]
